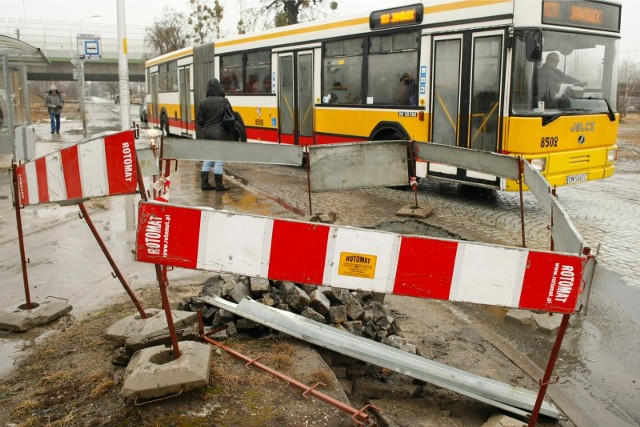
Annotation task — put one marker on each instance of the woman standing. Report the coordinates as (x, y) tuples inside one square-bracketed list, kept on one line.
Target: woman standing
[(54, 103), (209, 117)]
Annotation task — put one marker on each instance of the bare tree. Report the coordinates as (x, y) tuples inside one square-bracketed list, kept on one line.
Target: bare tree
[(205, 20), (168, 33), (278, 13), (629, 83)]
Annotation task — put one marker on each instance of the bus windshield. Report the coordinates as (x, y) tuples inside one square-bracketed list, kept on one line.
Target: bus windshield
[(577, 74)]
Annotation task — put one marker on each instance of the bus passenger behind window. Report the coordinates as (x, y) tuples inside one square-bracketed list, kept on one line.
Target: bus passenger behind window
[(408, 90)]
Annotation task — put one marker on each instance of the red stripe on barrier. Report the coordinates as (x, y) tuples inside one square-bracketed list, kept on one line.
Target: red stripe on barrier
[(41, 174), (552, 282), (71, 171), (298, 252), (23, 188), (425, 268), (168, 235), (121, 162)]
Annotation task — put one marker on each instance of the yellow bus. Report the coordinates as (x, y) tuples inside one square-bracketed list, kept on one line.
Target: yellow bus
[(530, 78)]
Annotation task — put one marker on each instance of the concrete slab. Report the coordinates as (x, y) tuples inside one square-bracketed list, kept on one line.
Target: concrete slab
[(412, 211), (547, 322), (19, 319), (145, 329), (153, 372), (501, 420)]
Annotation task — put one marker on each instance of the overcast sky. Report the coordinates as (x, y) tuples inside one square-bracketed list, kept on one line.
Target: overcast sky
[(143, 12)]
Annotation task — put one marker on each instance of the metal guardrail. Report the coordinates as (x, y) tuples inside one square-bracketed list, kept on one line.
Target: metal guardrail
[(58, 39)]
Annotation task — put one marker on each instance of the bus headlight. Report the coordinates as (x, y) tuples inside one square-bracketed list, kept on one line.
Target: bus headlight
[(539, 164), (612, 155)]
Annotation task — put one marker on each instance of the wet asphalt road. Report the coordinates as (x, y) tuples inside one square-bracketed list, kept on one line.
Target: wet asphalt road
[(598, 362)]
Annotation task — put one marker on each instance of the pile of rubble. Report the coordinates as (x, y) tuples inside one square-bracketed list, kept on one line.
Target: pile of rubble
[(361, 313)]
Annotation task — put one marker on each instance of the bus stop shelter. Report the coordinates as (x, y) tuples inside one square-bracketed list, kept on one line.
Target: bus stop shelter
[(15, 55)]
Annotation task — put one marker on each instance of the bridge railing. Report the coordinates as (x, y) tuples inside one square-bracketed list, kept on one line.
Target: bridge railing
[(58, 39)]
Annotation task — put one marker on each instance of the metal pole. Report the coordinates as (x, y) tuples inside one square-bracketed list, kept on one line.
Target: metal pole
[(123, 68), (9, 113), (83, 111), (23, 257), (106, 253), (306, 150), (167, 310), (521, 172), (547, 374)]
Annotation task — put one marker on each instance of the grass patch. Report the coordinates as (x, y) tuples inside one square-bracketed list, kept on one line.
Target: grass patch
[(320, 376), (25, 408), (56, 378)]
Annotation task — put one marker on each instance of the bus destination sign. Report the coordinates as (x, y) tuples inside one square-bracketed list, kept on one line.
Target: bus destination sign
[(396, 17), (580, 13)]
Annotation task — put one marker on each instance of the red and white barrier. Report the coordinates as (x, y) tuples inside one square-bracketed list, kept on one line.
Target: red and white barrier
[(318, 254), (96, 168)]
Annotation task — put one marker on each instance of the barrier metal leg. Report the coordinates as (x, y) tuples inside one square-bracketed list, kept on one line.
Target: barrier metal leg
[(521, 168), (105, 251), (306, 150), (547, 374), (167, 310), (23, 256)]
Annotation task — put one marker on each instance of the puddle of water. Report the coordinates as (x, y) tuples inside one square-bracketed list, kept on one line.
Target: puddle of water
[(9, 352)]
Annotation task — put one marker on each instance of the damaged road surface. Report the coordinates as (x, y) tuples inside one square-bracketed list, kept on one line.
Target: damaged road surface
[(509, 398)]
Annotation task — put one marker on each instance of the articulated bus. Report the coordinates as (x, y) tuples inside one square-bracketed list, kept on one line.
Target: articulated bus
[(530, 78)]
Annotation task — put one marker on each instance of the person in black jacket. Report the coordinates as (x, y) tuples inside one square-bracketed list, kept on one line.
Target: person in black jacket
[(209, 117)]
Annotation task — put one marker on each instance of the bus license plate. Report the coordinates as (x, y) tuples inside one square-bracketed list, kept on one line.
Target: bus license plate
[(571, 179)]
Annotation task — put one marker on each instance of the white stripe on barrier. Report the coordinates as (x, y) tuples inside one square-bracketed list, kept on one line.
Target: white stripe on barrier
[(55, 178), (93, 167), (362, 259), (32, 182), (480, 272), (223, 244)]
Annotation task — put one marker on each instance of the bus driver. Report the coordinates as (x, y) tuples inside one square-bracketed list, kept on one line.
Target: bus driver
[(550, 78)]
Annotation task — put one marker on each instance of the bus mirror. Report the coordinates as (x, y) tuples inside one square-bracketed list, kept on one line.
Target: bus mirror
[(534, 45)]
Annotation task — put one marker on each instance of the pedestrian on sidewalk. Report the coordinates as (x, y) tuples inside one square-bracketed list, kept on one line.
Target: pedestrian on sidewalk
[(54, 103), (210, 118)]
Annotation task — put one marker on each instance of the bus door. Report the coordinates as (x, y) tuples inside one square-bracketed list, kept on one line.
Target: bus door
[(467, 85), (154, 114), (184, 82), (295, 97)]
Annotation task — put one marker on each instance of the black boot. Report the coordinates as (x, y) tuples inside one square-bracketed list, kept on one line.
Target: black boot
[(204, 178), (219, 186)]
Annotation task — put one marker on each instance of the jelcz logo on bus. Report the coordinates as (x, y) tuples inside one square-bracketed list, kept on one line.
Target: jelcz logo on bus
[(583, 127)]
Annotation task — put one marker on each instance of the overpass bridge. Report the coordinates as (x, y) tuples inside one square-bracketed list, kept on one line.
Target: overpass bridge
[(58, 41)]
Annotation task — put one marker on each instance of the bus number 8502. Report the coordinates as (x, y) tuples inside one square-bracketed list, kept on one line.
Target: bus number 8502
[(548, 141)]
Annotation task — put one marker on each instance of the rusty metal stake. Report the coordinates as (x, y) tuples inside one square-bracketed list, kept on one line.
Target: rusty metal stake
[(413, 181), (521, 172), (550, 365), (23, 256), (353, 412), (167, 310), (112, 262), (306, 151)]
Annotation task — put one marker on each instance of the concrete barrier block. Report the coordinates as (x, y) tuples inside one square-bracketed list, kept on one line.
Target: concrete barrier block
[(154, 325), (19, 319), (153, 372)]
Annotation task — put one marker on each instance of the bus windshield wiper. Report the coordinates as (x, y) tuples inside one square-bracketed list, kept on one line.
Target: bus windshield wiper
[(548, 119)]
